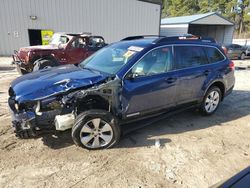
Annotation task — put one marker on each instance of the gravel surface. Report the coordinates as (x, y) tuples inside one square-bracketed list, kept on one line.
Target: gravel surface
[(195, 151)]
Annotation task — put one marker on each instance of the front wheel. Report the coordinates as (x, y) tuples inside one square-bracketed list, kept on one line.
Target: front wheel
[(21, 69), (211, 101), (95, 129), (43, 64)]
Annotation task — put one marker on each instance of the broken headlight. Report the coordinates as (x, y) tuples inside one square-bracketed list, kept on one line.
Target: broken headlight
[(51, 103)]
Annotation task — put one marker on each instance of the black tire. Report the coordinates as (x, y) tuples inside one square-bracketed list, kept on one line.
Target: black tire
[(25, 134), (203, 109), (242, 56), (43, 63), (85, 117), (21, 69)]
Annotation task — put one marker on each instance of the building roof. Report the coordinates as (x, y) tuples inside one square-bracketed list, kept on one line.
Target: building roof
[(158, 2), (211, 18)]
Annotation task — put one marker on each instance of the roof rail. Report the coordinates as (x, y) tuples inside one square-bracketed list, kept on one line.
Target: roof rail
[(141, 37), (86, 33), (187, 37)]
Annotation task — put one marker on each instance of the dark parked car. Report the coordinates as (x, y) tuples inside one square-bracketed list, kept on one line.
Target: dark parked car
[(236, 51), (247, 50), (240, 180), (63, 49), (134, 79)]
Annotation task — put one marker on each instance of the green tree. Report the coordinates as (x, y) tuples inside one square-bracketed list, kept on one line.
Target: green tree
[(241, 17), (180, 7)]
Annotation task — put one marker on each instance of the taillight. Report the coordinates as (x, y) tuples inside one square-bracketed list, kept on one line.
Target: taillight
[(231, 65)]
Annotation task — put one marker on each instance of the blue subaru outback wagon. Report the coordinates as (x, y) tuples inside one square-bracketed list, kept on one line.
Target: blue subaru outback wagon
[(136, 78)]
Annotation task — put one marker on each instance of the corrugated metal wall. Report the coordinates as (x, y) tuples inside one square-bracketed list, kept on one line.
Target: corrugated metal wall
[(113, 19), (228, 37), (173, 30), (222, 33)]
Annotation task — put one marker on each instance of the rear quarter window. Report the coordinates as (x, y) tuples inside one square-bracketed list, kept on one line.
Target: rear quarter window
[(214, 55)]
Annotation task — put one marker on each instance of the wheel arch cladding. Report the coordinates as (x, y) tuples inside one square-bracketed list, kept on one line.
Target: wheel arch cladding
[(50, 58), (92, 102), (221, 86), (35, 58)]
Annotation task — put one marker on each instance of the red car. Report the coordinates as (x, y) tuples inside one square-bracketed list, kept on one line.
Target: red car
[(63, 49)]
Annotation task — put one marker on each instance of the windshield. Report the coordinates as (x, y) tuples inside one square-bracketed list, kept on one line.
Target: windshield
[(59, 39), (110, 59)]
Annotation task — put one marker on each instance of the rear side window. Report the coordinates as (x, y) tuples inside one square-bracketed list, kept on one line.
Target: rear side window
[(189, 56), (214, 55)]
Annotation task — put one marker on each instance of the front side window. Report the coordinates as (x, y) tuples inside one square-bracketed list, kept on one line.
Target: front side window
[(79, 43), (214, 55), (237, 46), (155, 62), (59, 39), (189, 56), (96, 42)]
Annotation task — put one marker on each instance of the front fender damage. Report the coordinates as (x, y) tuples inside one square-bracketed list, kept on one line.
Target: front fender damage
[(59, 112), (108, 92)]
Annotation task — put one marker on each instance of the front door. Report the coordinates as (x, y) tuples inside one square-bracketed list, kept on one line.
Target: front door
[(150, 85), (76, 51)]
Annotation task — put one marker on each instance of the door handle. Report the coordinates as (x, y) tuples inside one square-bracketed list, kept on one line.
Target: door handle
[(206, 72), (170, 80)]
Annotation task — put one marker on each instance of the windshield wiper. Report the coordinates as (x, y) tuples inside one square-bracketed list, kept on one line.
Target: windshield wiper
[(92, 70)]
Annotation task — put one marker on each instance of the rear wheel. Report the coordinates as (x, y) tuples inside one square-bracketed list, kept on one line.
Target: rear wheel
[(211, 101), (43, 64), (95, 129), (242, 56)]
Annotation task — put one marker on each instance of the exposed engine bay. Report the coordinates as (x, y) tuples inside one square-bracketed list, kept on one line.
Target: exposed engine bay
[(58, 112)]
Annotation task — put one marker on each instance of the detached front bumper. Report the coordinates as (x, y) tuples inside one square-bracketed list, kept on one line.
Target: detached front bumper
[(23, 122)]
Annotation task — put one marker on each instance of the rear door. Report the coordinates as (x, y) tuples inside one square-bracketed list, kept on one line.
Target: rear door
[(153, 84), (191, 65)]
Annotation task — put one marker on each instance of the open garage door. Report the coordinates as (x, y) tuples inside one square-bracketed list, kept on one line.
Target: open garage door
[(221, 33), (214, 31), (210, 24)]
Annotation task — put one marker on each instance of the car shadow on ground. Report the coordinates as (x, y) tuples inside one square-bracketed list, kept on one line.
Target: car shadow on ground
[(235, 106)]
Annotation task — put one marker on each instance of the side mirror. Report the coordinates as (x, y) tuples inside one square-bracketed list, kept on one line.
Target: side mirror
[(132, 76)]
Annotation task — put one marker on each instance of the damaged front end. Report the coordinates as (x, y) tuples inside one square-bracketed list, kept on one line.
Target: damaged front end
[(48, 114), (58, 111)]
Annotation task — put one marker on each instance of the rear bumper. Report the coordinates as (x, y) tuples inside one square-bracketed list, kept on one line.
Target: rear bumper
[(229, 91)]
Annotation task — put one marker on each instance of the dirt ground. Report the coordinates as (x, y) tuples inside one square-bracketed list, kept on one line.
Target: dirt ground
[(195, 151)]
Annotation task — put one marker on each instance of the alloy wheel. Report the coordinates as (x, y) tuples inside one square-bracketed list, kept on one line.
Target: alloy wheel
[(242, 57), (212, 101), (96, 133)]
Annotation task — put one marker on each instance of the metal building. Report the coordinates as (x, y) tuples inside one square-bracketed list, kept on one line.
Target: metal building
[(23, 20), (210, 24)]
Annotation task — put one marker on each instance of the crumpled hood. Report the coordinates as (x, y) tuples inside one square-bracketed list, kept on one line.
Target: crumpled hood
[(52, 81)]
